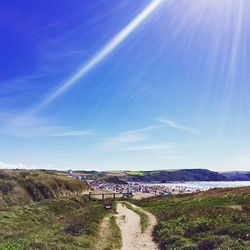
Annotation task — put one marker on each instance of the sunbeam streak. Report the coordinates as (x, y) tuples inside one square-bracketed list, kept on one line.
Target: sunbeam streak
[(103, 53)]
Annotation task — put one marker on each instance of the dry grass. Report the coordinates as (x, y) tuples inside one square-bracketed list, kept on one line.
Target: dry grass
[(21, 187)]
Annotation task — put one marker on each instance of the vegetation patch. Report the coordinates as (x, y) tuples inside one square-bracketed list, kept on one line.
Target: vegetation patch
[(135, 172), (116, 237), (19, 187), (63, 223), (206, 220), (109, 234)]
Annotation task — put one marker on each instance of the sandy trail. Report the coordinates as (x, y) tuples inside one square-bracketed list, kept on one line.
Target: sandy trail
[(129, 223)]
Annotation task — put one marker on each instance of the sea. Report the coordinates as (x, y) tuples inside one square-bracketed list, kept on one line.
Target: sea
[(204, 185)]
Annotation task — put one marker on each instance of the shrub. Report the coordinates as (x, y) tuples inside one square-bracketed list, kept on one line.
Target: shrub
[(10, 246), (232, 244), (209, 243), (240, 231), (198, 225), (6, 187), (178, 242)]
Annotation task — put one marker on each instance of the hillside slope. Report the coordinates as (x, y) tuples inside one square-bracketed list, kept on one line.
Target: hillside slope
[(65, 223), (237, 175), (21, 186), (216, 219), (178, 175)]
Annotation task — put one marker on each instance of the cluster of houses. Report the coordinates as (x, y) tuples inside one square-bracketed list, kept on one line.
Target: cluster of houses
[(79, 176), (154, 189)]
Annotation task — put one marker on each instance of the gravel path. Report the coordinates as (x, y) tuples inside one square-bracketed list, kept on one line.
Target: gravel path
[(129, 223)]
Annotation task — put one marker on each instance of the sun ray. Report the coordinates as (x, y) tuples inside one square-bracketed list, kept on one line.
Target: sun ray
[(102, 54)]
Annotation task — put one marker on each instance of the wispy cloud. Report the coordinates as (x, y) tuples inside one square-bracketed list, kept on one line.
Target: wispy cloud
[(175, 125), (148, 147), (31, 126), (136, 140), (4, 165), (45, 131), (128, 137), (21, 84), (65, 133)]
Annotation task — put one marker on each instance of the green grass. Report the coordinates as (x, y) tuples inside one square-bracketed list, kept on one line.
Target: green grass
[(135, 172), (144, 222), (218, 219), (116, 238), (109, 234), (65, 223)]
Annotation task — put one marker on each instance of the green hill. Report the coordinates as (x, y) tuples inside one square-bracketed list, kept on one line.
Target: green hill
[(175, 175), (22, 187)]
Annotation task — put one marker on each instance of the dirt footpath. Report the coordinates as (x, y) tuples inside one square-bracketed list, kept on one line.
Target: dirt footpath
[(129, 224)]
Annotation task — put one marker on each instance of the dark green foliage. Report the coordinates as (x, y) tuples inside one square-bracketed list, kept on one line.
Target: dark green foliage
[(178, 242)]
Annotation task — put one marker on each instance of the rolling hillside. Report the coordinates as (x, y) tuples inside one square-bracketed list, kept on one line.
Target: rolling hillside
[(170, 175), (22, 187)]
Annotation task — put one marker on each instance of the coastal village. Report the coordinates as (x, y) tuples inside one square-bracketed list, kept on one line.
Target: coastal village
[(137, 189)]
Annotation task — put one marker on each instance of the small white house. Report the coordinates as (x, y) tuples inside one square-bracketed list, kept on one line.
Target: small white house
[(70, 172)]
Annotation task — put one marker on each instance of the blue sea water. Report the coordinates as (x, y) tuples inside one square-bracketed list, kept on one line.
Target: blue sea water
[(205, 185)]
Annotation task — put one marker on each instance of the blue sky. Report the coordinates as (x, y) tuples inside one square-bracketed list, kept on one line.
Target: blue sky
[(106, 84)]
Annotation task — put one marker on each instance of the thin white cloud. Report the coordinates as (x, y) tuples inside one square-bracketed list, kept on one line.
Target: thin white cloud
[(129, 137), (148, 147), (44, 131), (31, 126), (140, 130), (4, 165), (174, 125), (73, 133), (103, 53), (136, 140)]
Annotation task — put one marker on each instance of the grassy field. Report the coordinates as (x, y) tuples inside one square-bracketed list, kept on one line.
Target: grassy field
[(217, 219), (135, 172), (64, 223)]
